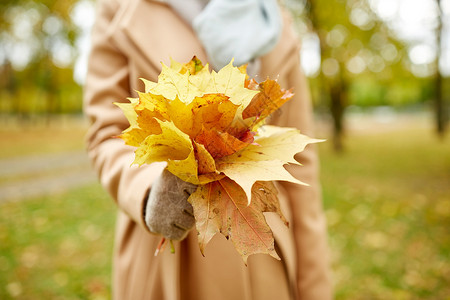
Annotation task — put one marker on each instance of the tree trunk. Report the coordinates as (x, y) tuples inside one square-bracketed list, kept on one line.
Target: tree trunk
[(337, 105), (337, 87), (440, 105)]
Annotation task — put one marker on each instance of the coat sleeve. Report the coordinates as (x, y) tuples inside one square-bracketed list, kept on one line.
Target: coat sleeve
[(108, 82), (308, 220)]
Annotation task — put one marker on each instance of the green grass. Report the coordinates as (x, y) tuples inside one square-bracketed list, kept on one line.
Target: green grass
[(387, 199), (57, 247)]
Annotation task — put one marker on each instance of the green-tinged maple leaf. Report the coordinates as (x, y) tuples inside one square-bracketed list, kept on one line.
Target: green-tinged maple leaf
[(227, 212), (193, 67)]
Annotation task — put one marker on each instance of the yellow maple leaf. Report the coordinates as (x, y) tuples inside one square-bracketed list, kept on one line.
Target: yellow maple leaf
[(208, 127), (265, 160), (230, 81)]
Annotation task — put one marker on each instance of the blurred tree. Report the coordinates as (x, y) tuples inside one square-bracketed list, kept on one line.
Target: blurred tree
[(37, 39), (353, 40), (360, 58)]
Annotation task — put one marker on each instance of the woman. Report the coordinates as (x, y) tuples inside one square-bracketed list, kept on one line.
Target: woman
[(129, 40)]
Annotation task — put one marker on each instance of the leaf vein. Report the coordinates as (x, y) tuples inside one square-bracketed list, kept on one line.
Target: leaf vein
[(243, 216)]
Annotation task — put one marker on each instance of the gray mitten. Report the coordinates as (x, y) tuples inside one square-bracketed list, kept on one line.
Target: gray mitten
[(167, 211)]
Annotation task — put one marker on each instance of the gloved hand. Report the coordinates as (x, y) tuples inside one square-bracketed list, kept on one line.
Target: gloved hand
[(167, 211)]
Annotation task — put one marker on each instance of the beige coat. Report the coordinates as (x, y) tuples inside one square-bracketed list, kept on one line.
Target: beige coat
[(130, 39)]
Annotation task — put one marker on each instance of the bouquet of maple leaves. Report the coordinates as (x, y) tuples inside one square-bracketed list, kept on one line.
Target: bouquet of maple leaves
[(209, 128)]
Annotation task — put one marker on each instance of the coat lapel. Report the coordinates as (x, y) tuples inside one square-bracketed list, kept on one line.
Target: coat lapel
[(151, 33)]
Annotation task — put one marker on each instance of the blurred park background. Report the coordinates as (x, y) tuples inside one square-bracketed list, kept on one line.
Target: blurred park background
[(379, 75)]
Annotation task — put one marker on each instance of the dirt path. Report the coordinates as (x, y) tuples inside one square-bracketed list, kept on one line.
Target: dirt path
[(34, 176)]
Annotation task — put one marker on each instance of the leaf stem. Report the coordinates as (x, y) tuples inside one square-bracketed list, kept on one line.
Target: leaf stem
[(161, 246), (172, 247)]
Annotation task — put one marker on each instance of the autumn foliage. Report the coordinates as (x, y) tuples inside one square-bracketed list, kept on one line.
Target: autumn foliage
[(209, 128)]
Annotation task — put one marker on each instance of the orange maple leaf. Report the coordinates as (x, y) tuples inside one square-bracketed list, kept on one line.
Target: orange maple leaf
[(221, 206), (270, 98)]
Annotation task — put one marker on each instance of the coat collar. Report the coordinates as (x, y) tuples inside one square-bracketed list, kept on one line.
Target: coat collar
[(152, 31)]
